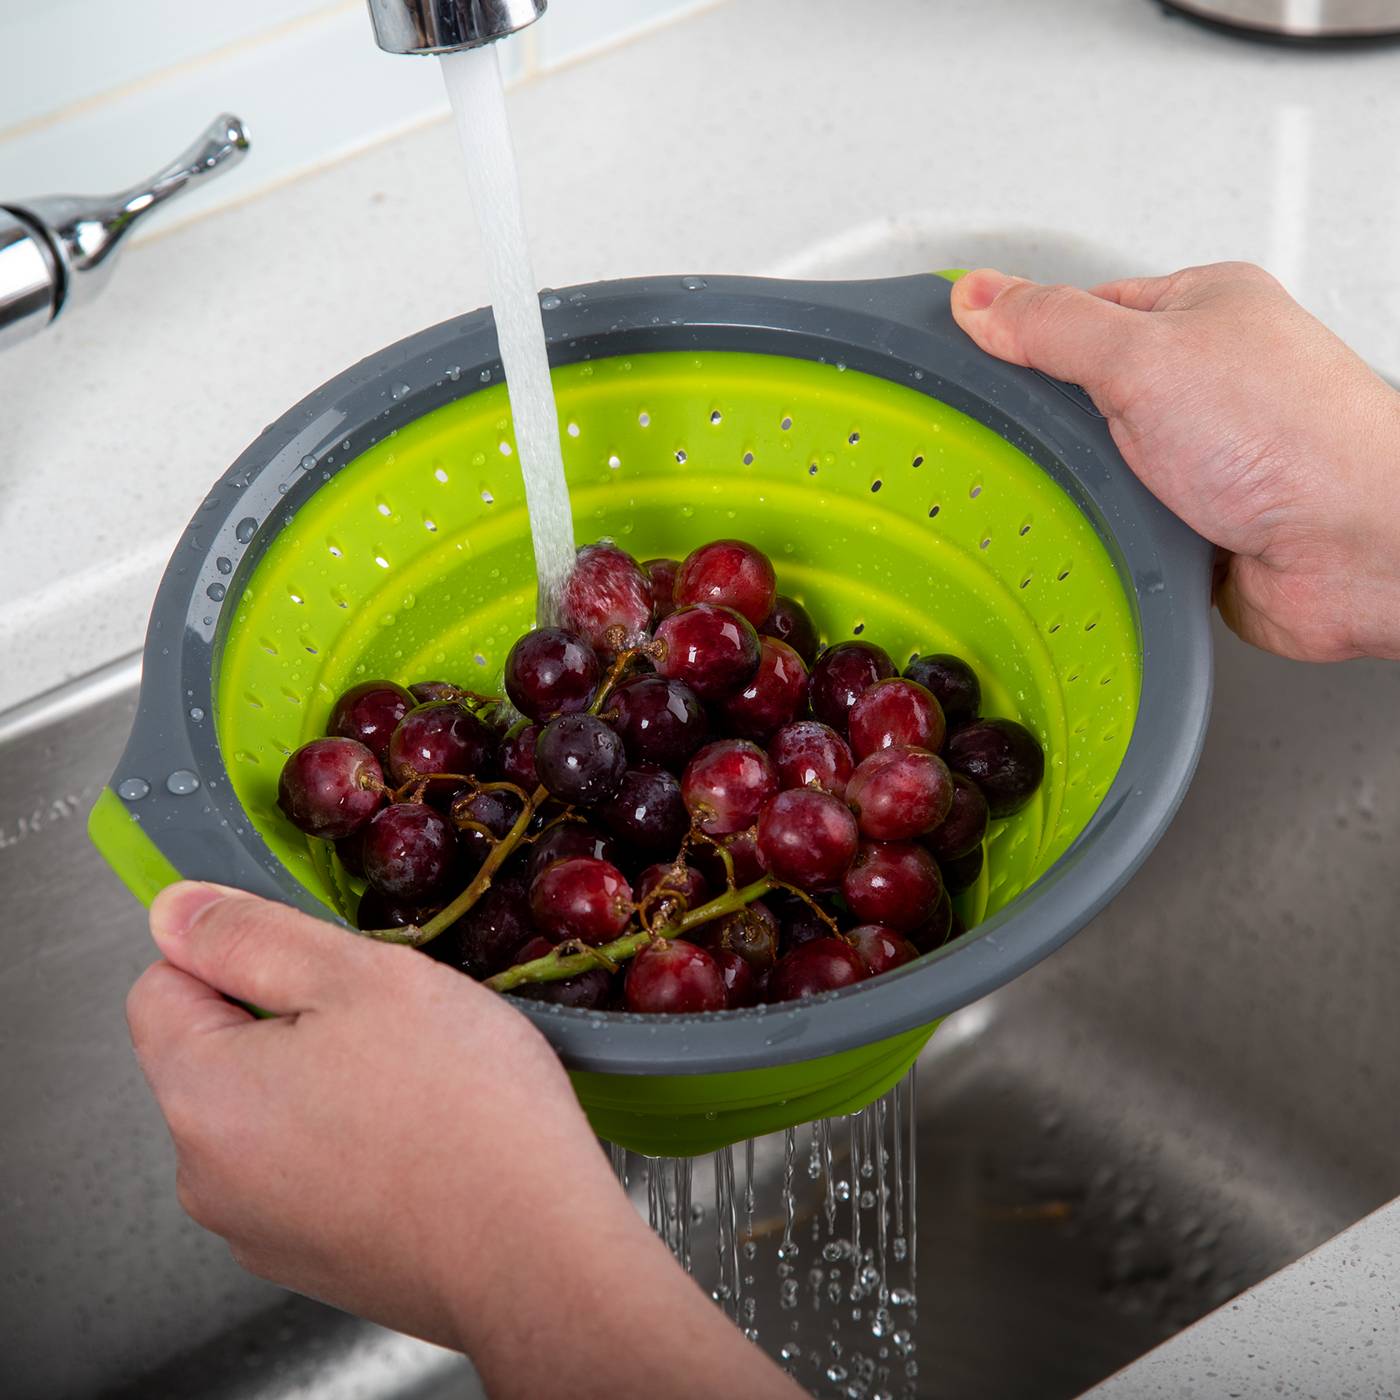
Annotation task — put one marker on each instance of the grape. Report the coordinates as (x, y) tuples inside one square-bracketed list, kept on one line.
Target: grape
[(742, 985), (823, 965), (409, 851), (800, 922), (424, 691), (494, 930), (439, 737), (881, 949), (812, 754), (1003, 758), (660, 721), (607, 599), (587, 991), (579, 759), (551, 672), (790, 622), (348, 848), (752, 932), (841, 675), (685, 888), (377, 910), (330, 787), (964, 826), (370, 712), (729, 574), (895, 711), (569, 838), (713, 650), (515, 759), (953, 683), (496, 811), (934, 931), (582, 898), (894, 883), (900, 792), (742, 848), (662, 575), (772, 698), (807, 838), (961, 874), (674, 976), (647, 812), (726, 784)]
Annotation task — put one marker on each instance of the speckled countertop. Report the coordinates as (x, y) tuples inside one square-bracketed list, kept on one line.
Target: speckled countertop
[(1077, 140)]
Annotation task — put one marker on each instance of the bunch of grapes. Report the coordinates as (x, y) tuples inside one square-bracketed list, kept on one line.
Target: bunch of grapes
[(683, 805)]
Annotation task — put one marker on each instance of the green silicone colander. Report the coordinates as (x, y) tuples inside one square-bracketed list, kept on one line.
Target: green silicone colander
[(908, 489)]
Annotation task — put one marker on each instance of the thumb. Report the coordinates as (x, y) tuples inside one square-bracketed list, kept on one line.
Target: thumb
[(1062, 331)]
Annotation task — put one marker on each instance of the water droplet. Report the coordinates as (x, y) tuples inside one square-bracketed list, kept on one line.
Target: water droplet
[(216, 591), (133, 789), (454, 372), (223, 565), (400, 391), (308, 462), (485, 376), (693, 284), (182, 782), (245, 529), (550, 303), (196, 713)]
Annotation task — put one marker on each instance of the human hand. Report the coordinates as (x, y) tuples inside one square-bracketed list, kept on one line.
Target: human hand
[(402, 1143), (1247, 418)]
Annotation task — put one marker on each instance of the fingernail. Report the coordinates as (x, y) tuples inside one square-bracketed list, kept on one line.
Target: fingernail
[(982, 288), (174, 910)]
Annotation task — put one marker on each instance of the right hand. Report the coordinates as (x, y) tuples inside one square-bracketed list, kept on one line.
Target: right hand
[(1246, 417)]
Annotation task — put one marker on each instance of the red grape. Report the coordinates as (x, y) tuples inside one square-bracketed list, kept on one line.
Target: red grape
[(684, 888), (812, 754), (790, 622), (961, 874), (607, 599), (582, 898), (660, 721), (823, 965), (647, 813), (409, 851), (770, 700), (579, 759), (673, 976), (953, 683), (662, 575), (551, 672), (496, 811), (587, 991), (424, 691), (713, 650), (881, 949), (742, 985), (439, 737), (841, 675), (964, 826), (752, 932), (571, 839), (894, 883), (807, 838), (900, 792), (726, 784), (895, 711), (515, 759), (330, 787), (370, 712), (1003, 758), (729, 574)]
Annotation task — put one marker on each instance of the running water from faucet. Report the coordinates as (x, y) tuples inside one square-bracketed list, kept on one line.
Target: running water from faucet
[(473, 81)]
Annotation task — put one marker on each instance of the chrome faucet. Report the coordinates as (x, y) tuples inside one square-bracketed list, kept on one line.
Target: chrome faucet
[(58, 251), (446, 26)]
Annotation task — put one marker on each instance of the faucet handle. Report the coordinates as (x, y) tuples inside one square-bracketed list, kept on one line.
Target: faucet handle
[(57, 251)]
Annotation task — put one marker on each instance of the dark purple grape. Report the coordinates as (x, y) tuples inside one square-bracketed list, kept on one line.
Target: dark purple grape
[(672, 976), (961, 874), (660, 721), (348, 848), (515, 759), (800, 922), (425, 691), (496, 811), (881, 949), (812, 754), (1003, 758), (580, 759), (662, 574), (823, 965), (895, 711), (377, 910), (409, 851), (964, 826), (841, 675), (752, 932), (934, 931), (728, 574), (492, 932), (899, 793), (581, 898), (712, 650), (807, 838), (647, 813), (330, 787), (742, 985), (551, 672), (742, 849), (587, 991), (790, 622), (569, 838), (607, 599), (370, 712), (773, 698), (440, 737), (894, 883), (952, 681)]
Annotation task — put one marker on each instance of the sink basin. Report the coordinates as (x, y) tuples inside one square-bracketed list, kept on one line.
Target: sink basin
[(1194, 1092)]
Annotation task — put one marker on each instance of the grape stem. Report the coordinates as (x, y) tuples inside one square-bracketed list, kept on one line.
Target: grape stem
[(554, 968)]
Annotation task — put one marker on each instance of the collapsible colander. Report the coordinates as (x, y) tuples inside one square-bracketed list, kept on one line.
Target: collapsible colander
[(909, 489)]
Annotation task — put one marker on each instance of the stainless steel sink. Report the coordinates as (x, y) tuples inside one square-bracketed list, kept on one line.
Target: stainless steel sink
[(1197, 1090)]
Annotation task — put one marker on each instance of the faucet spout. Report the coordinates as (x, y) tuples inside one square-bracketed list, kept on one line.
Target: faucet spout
[(448, 26)]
